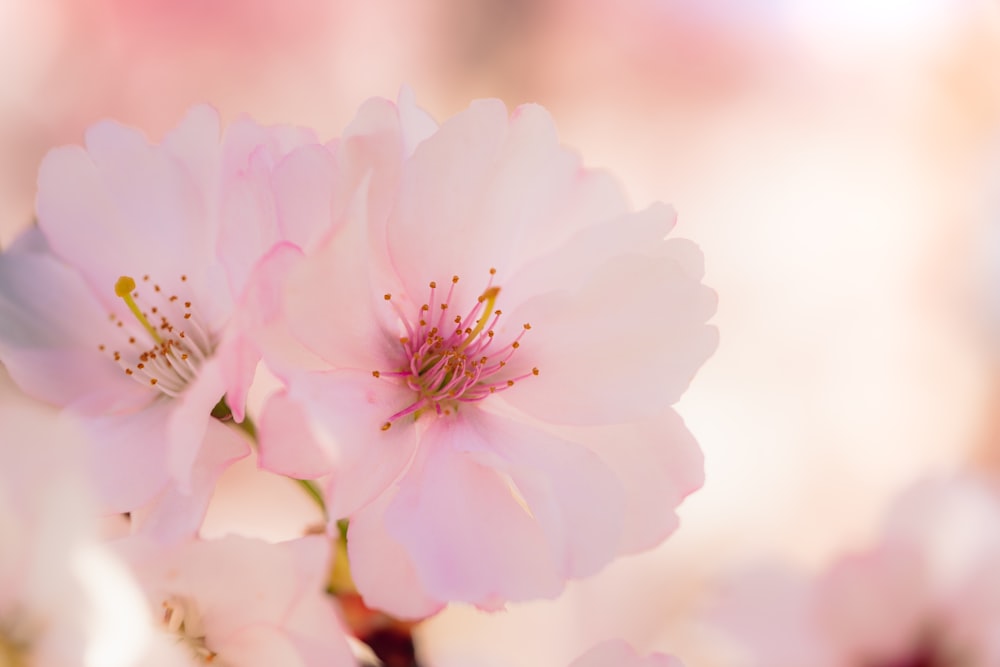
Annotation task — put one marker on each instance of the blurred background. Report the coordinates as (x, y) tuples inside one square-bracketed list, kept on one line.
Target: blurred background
[(838, 164)]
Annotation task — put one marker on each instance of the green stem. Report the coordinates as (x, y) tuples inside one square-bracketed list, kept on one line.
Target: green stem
[(313, 492)]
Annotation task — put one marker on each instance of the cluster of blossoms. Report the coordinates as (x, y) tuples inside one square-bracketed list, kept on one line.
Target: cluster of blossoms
[(477, 345)]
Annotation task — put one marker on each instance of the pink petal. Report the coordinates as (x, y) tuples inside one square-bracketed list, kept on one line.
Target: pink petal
[(658, 463), (187, 143), (769, 615), (189, 420), (223, 577), (124, 208), (439, 518), (261, 646), (370, 157), (312, 624), (287, 443), (176, 514), (623, 347), (950, 521), (260, 328), (430, 236), (487, 192), (249, 212), (347, 409), (129, 456), (569, 264), (873, 607), (50, 331), (382, 569), (416, 123), (244, 137), (573, 495), (248, 220), (617, 653), (31, 240), (332, 306), (237, 357), (302, 184)]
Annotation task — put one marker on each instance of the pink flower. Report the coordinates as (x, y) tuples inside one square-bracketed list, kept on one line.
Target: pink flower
[(928, 593), (237, 601), (617, 653), (120, 305), (64, 599), (490, 345)]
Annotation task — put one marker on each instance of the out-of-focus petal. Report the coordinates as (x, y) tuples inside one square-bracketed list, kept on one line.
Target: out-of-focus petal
[(872, 605), (129, 456), (189, 142), (233, 611), (618, 653), (787, 635)]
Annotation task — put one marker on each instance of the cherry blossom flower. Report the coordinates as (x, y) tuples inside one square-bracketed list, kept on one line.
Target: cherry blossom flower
[(926, 594), (64, 598), (482, 358), (120, 304), (618, 653), (243, 602)]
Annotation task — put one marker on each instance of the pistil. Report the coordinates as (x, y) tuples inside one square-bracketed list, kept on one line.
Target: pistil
[(123, 288)]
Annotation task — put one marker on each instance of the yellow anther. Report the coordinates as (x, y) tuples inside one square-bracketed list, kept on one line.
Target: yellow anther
[(123, 288)]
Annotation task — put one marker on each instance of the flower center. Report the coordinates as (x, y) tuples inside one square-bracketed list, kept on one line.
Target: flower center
[(449, 360), (181, 618), (171, 345)]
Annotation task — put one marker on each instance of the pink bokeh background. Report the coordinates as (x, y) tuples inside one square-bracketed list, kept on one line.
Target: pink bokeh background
[(838, 165)]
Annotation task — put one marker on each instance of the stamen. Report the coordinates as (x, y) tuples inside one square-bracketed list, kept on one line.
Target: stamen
[(445, 366), (172, 362)]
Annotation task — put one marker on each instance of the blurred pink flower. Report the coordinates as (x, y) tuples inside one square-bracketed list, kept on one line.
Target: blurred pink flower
[(64, 598), (497, 340), (618, 653), (928, 593), (237, 601), (163, 238)]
